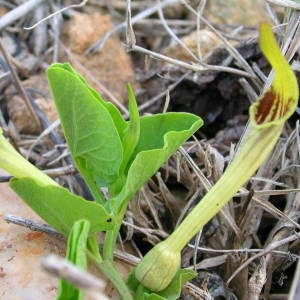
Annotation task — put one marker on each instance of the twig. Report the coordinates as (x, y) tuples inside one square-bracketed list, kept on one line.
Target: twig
[(89, 283), (40, 227), (257, 281), (5, 178), (171, 87), (286, 3), (192, 67), (295, 288), (147, 231), (34, 226), (144, 14), (81, 4), (130, 37), (44, 133), (18, 12), (66, 170), (19, 85), (174, 36), (196, 292), (101, 86), (243, 250), (126, 257), (266, 251), (7, 4)]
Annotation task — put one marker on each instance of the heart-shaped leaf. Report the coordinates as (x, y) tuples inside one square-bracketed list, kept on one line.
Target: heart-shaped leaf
[(60, 208), (160, 137), (91, 127)]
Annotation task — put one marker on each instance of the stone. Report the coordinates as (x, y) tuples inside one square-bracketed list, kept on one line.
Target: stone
[(111, 66), (207, 39), (22, 250), (18, 111), (236, 12)]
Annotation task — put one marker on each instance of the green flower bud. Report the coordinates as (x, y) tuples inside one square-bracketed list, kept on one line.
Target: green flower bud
[(158, 267)]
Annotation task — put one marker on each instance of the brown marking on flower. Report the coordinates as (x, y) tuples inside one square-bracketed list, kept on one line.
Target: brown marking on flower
[(271, 106), (264, 106), (275, 108)]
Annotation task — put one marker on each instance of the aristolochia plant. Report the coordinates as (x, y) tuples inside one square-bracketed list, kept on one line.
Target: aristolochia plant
[(110, 153), (121, 156), (267, 118)]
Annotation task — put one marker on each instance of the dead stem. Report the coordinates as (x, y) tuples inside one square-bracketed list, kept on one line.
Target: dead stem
[(19, 85)]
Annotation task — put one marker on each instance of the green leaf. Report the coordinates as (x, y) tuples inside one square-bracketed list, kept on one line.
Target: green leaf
[(93, 249), (172, 292), (130, 137), (132, 132), (119, 122), (160, 137), (60, 208), (91, 126), (76, 253)]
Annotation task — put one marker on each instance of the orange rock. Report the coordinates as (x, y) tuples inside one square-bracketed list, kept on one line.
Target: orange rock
[(206, 38), (18, 111), (3, 11), (33, 235), (236, 12), (22, 277), (111, 66), (22, 250)]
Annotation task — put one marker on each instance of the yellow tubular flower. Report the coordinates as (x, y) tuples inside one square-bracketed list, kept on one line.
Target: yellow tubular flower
[(15, 164), (267, 117), (279, 102)]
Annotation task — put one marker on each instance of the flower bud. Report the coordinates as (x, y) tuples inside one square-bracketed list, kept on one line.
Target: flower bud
[(158, 267)]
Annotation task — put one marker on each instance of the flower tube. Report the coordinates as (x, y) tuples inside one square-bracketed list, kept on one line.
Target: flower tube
[(267, 118), (15, 164)]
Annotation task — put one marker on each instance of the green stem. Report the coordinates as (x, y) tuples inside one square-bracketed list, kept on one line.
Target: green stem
[(107, 268), (258, 145), (110, 242), (159, 266), (112, 235)]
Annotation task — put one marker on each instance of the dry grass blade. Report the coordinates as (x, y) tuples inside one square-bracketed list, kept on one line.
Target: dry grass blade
[(295, 289), (81, 4), (101, 87), (286, 3), (266, 251), (174, 36), (142, 15), (243, 63), (18, 12), (196, 292), (257, 281), (19, 85)]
